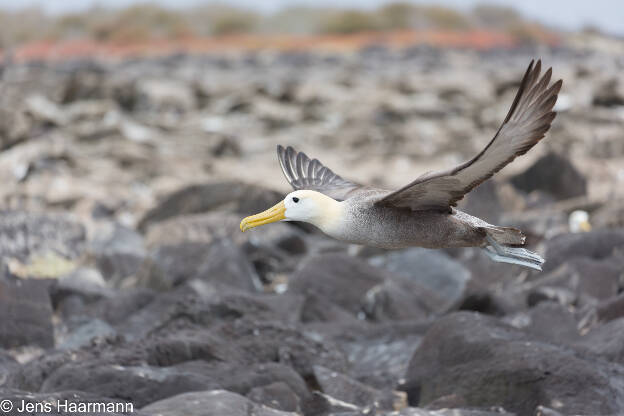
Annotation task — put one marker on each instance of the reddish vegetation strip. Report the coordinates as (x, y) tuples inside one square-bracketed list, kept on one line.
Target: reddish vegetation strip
[(482, 40)]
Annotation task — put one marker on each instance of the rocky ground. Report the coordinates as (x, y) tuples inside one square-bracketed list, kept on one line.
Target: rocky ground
[(125, 277)]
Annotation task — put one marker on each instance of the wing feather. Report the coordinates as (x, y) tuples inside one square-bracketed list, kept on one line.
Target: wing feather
[(305, 173), (526, 123)]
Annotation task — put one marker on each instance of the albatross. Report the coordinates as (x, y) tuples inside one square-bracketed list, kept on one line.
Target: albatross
[(421, 213)]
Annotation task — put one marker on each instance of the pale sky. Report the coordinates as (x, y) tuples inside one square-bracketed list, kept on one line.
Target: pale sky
[(608, 15)]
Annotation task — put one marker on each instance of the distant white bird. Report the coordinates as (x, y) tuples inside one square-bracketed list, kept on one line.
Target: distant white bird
[(578, 221), (421, 213)]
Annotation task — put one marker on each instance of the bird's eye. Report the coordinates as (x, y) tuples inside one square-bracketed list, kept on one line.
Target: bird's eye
[(295, 199)]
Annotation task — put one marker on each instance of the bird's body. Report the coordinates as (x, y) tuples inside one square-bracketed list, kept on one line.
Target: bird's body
[(421, 213), (362, 222)]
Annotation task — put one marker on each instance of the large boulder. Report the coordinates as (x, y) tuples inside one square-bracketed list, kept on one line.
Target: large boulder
[(553, 174), (597, 245), (580, 281), (334, 282), (433, 271), (492, 364), (378, 353)]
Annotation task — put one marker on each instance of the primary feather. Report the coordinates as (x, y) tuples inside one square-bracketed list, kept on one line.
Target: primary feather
[(305, 173)]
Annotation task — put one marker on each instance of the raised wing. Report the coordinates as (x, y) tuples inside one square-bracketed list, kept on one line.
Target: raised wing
[(305, 173), (527, 122)]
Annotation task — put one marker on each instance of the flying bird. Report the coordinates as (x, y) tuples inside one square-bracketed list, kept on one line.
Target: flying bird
[(421, 213)]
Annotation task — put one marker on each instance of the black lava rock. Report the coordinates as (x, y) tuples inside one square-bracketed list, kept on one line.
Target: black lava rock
[(597, 245), (491, 364), (428, 278), (334, 282), (553, 174)]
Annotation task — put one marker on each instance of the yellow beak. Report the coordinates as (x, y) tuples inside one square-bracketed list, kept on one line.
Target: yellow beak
[(273, 214)]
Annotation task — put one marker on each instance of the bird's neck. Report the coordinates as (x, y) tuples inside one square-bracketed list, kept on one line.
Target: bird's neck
[(330, 218)]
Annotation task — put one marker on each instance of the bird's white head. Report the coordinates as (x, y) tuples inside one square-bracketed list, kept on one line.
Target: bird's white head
[(304, 205)]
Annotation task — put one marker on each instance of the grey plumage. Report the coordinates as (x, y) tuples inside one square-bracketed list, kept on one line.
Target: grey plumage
[(421, 213)]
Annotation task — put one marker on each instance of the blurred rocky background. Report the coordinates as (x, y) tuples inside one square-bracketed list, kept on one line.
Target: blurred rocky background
[(134, 140)]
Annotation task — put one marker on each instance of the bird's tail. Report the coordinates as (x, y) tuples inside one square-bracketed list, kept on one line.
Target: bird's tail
[(507, 236), (500, 248)]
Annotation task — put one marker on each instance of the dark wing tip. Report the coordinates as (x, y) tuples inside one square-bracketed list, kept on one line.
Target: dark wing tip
[(532, 113), (558, 86), (530, 68), (530, 76)]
